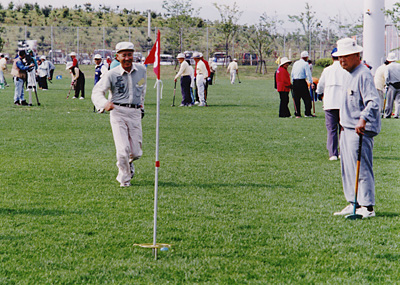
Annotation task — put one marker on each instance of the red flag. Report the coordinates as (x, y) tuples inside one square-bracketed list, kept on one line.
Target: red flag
[(154, 56)]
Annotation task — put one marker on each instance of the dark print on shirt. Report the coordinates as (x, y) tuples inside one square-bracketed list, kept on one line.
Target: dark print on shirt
[(120, 85)]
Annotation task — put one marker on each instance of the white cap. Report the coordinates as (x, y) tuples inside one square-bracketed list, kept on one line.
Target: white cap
[(235, 59), (304, 54), (181, 55), (68, 66), (124, 46), (196, 54), (97, 56), (43, 57), (284, 60), (391, 57), (72, 54), (347, 46)]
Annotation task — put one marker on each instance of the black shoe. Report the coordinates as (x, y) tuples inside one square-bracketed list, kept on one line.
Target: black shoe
[(17, 103), (23, 103)]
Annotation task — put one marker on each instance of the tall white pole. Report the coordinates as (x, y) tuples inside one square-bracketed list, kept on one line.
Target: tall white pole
[(157, 166), (374, 33)]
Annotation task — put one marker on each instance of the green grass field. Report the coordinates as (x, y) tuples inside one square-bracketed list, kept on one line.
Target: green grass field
[(245, 197)]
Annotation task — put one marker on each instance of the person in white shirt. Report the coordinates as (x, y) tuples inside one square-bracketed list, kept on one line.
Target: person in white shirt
[(3, 68), (300, 73), (201, 74), (379, 80), (392, 80), (43, 73), (331, 86), (185, 74), (233, 69)]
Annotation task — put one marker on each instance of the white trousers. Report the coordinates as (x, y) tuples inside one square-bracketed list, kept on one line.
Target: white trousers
[(126, 124), (200, 82), (233, 76), (348, 158)]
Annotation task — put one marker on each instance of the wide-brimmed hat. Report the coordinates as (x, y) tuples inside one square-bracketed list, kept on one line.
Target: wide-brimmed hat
[(304, 54), (43, 57), (284, 60), (391, 57), (72, 54), (124, 46), (235, 59), (347, 46), (97, 56), (196, 54), (180, 55)]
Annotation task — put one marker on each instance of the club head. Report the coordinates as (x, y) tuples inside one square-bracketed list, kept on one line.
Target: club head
[(354, 217)]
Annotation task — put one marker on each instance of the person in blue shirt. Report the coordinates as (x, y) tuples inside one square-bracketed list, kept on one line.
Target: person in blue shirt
[(300, 73)]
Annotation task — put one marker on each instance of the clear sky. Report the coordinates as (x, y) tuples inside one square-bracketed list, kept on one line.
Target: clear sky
[(252, 9)]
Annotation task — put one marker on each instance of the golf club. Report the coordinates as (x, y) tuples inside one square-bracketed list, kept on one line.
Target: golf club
[(355, 216), (69, 91), (384, 104), (239, 78), (173, 100), (37, 98)]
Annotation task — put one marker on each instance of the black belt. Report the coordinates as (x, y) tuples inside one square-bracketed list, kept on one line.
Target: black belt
[(136, 106), (299, 79)]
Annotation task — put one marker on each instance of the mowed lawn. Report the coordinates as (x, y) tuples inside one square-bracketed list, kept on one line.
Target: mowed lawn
[(244, 196)]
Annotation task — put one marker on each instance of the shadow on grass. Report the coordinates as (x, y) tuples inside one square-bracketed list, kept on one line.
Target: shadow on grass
[(36, 212), (211, 185), (387, 157), (386, 214)]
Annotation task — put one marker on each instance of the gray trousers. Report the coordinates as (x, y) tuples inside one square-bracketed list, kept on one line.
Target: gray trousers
[(348, 159), (393, 96)]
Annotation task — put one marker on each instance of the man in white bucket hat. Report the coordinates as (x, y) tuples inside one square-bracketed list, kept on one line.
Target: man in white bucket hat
[(392, 80), (359, 116)]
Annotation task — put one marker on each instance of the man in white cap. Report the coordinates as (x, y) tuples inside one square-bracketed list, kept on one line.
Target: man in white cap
[(233, 69), (184, 73), (330, 85), (300, 73), (392, 80), (127, 83), (43, 72), (100, 68), (3, 68), (200, 73), (359, 116)]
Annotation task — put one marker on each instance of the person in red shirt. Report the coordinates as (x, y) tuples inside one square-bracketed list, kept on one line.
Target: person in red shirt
[(283, 85), (74, 59)]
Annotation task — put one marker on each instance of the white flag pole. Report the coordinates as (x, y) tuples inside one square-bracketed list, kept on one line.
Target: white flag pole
[(156, 169)]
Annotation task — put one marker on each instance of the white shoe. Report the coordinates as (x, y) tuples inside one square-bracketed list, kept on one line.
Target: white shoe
[(333, 157), (126, 184), (365, 213), (349, 209), (181, 105), (202, 104), (196, 103), (81, 98)]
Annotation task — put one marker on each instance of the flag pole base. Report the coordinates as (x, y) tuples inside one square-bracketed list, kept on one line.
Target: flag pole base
[(154, 247)]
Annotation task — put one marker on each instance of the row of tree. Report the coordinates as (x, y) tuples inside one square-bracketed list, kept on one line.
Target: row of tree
[(266, 38)]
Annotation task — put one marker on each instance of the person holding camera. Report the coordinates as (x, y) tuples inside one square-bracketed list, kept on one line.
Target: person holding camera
[(19, 71)]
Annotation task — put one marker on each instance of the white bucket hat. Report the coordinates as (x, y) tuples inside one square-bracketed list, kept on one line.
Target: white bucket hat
[(97, 56), (304, 54), (196, 54), (284, 60), (72, 54), (124, 46), (43, 57), (391, 57), (347, 46), (181, 55)]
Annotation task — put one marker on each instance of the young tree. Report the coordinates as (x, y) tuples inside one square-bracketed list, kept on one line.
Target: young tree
[(180, 15), (228, 25), (309, 23), (262, 38)]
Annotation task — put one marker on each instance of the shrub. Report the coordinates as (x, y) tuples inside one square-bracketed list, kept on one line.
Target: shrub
[(324, 62)]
